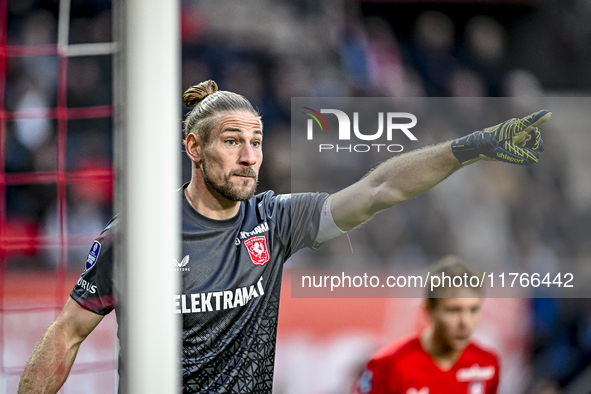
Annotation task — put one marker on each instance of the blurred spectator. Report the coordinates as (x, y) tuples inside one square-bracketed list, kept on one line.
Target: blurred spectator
[(92, 29), (34, 134), (86, 86), (433, 52), (353, 48), (39, 28), (88, 210), (289, 78), (486, 45), (384, 60), (521, 83), (546, 387), (244, 77), (464, 82)]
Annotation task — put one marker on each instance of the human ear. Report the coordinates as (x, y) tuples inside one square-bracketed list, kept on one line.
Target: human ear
[(194, 148)]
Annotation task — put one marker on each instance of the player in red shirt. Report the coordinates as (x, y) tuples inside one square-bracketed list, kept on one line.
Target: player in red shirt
[(442, 359)]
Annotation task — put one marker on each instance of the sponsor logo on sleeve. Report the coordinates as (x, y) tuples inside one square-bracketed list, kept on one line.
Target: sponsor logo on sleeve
[(257, 249), (87, 286), (93, 255)]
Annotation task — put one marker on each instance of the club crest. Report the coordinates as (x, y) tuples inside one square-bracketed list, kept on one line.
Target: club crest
[(257, 249)]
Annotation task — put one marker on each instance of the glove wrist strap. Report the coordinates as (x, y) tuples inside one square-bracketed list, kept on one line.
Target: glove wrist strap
[(463, 150)]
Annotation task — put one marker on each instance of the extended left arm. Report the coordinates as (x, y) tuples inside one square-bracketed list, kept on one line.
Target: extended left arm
[(408, 175)]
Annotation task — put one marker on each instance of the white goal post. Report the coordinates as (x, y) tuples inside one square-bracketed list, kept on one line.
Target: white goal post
[(147, 92)]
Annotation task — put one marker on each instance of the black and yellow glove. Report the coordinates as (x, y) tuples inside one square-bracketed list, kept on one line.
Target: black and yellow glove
[(517, 141)]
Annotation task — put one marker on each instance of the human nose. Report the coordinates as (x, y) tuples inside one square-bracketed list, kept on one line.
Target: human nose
[(464, 319), (248, 156)]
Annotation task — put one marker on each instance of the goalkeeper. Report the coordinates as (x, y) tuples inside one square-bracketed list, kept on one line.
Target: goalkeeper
[(234, 239)]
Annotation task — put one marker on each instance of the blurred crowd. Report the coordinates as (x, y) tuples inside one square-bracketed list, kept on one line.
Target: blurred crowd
[(271, 51), (32, 140)]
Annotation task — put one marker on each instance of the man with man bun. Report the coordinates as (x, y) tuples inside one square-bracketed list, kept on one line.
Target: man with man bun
[(235, 242)]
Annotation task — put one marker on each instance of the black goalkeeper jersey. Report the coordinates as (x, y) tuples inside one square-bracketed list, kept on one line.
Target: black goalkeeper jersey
[(231, 280)]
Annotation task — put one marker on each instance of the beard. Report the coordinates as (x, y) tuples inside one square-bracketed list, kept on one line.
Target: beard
[(225, 186)]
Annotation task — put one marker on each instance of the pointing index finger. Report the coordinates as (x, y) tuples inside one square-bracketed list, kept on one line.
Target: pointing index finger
[(537, 119)]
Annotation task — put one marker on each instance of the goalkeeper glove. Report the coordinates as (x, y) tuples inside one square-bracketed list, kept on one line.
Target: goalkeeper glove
[(510, 141)]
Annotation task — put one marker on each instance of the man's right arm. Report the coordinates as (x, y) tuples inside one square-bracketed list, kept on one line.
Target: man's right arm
[(53, 357), (406, 176)]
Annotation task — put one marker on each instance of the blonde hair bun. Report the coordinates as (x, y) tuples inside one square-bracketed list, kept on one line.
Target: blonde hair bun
[(196, 93)]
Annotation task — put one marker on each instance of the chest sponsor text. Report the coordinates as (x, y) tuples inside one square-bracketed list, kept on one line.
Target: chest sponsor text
[(218, 300)]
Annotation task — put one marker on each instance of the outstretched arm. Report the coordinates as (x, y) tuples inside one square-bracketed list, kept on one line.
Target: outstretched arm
[(53, 357), (392, 182), (408, 175)]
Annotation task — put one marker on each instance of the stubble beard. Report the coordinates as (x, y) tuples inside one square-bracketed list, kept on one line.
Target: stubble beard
[(226, 189)]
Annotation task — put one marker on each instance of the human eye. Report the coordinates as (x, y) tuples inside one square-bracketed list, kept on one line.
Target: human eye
[(257, 144), (231, 142), (453, 310)]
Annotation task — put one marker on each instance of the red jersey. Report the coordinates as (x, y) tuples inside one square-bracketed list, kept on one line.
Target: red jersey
[(409, 369)]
